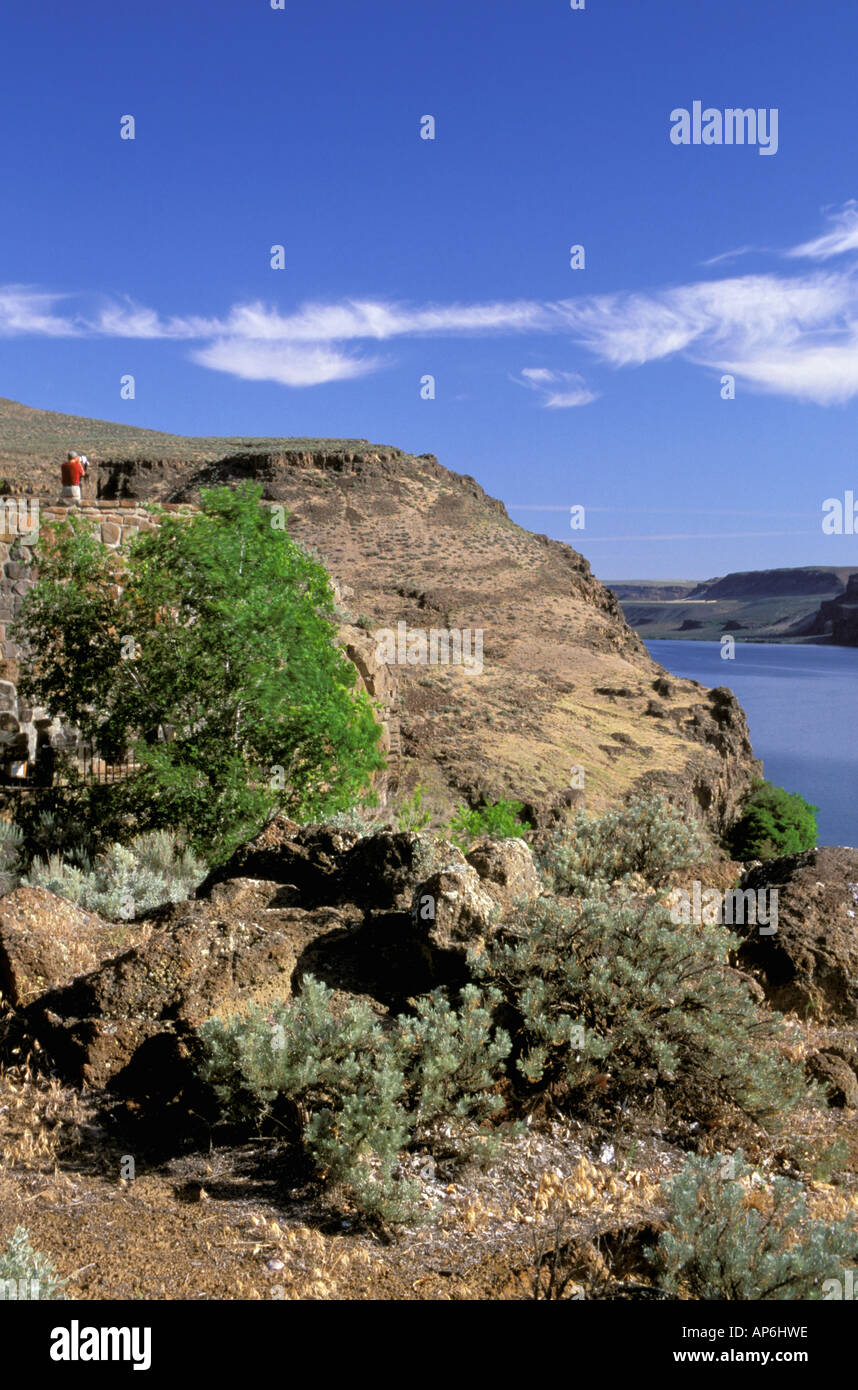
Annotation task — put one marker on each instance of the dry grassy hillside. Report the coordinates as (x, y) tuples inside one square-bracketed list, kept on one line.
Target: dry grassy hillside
[(566, 684)]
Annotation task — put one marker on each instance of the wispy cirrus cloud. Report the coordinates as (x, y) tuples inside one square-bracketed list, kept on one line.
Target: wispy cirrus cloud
[(842, 236), (559, 390), (288, 364), (28, 311), (793, 335)]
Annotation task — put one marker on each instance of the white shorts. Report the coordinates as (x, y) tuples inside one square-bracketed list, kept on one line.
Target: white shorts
[(72, 494)]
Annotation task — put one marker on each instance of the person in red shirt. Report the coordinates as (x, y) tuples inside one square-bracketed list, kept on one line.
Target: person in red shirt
[(71, 473)]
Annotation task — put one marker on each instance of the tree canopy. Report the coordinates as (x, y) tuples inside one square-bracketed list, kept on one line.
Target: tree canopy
[(208, 650)]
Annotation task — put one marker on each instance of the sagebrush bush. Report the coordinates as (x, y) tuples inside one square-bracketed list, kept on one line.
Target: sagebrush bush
[(610, 987), (24, 1272), (647, 836), (11, 841), (500, 820), (726, 1239), (354, 820), (361, 1093), (124, 880)]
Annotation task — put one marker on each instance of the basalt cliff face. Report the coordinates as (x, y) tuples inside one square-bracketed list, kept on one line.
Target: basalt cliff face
[(838, 617), (564, 706)]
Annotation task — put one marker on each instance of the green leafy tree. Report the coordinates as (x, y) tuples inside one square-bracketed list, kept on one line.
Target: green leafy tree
[(774, 822), (209, 650)]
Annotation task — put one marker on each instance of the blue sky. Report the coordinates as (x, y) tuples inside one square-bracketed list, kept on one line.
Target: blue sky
[(405, 257)]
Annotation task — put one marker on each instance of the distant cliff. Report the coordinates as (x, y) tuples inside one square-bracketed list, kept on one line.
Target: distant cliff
[(838, 617), (773, 605)]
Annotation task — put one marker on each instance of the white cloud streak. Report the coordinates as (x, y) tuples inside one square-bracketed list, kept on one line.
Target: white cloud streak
[(791, 335), (559, 390)]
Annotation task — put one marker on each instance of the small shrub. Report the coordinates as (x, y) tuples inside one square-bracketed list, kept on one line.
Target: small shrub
[(352, 820), (55, 831), (11, 842), (499, 820), (412, 815), (726, 1240), (125, 880), (25, 1273), (11, 839), (774, 822), (361, 1094), (609, 991), (646, 837)]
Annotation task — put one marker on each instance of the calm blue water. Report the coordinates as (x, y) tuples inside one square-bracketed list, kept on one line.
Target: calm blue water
[(802, 708)]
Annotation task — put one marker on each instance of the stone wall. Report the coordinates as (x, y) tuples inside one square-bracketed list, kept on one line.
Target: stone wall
[(24, 730)]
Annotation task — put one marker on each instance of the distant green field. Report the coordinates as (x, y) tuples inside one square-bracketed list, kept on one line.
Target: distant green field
[(778, 619)]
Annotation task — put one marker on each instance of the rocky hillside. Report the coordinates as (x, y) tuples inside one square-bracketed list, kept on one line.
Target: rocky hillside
[(568, 702)]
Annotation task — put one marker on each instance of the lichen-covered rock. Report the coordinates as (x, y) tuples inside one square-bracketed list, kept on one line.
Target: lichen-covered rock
[(506, 869), (323, 865), (453, 911), (187, 970)]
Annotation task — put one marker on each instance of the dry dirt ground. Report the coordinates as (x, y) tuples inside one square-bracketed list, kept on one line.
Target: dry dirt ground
[(229, 1223)]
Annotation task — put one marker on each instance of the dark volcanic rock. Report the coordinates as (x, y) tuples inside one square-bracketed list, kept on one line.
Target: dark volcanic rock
[(317, 864), (811, 961), (308, 900), (837, 1078), (187, 971), (46, 942)]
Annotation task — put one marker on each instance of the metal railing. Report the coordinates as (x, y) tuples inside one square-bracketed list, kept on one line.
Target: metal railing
[(43, 772)]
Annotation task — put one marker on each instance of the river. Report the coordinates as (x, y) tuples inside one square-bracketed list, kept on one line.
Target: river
[(802, 708)]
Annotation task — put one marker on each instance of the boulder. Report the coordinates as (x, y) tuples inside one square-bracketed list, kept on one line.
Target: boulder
[(188, 969), (322, 865), (46, 942), (452, 910), (382, 871), (810, 963), (837, 1078), (506, 869), (306, 858)]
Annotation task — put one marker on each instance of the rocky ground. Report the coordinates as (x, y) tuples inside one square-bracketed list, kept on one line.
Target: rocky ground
[(98, 1048)]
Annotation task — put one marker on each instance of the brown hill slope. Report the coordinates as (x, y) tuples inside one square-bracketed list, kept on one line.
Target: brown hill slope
[(566, 684)]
